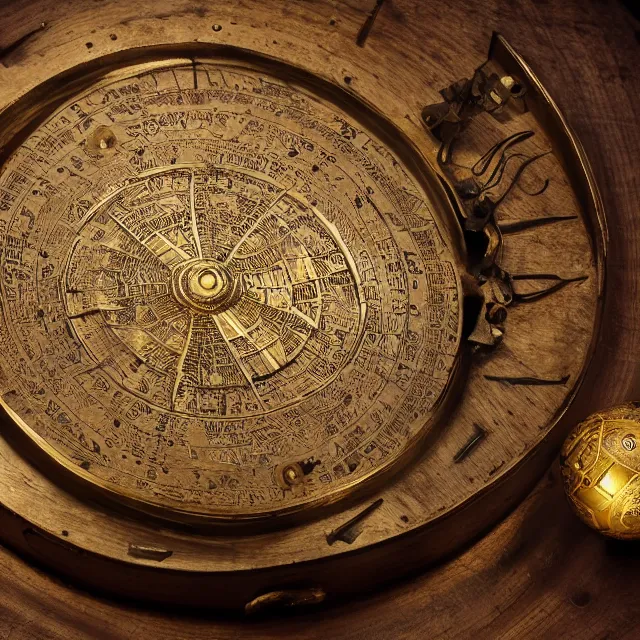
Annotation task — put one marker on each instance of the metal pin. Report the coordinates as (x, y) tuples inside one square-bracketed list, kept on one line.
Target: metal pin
[(479, 435), (528, 380), (363, 34)]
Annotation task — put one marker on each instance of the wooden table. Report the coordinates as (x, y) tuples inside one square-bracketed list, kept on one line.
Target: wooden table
[(540, 574)]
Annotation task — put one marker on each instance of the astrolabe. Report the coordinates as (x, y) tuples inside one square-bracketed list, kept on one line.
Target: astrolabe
[(223, 296), (267, 337)]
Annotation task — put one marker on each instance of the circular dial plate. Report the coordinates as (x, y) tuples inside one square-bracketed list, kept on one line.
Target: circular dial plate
[(222, 295)]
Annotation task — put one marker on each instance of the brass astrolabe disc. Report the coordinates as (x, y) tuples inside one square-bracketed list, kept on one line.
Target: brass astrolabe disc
[(344, 305), (224, 297)]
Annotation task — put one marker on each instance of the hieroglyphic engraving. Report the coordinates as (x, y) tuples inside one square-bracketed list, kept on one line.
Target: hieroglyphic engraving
[(204, 285)]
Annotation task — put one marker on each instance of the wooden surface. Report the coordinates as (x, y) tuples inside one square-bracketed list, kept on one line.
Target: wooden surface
[(540, 574)]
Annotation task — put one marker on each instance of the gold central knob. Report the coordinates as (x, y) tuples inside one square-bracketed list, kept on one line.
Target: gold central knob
[(205, 285), (207, 280)]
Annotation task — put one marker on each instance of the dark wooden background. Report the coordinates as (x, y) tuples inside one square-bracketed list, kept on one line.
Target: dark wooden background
[(539, 574)]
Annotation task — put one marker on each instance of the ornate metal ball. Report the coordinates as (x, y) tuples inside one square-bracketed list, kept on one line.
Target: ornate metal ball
[(600, 463)]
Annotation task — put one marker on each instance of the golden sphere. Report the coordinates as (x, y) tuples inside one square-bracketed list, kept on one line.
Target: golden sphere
[(600, 462)]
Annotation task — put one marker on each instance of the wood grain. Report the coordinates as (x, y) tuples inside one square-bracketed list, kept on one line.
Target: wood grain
[(540, 574)]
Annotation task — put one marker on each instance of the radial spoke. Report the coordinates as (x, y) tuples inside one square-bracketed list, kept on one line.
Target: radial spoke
[(255, 225), (206, 367), (248, 308), (169, 253), (170, 244), (192, 207), (264, 338), (136, 239), (180, 364), (241, 366)]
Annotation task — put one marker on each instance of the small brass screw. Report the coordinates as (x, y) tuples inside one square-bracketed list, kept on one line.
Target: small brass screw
[(292, 474), (103, 138)]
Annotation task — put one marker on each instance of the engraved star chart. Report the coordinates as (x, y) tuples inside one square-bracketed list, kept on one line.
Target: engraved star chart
[(222, 295)]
